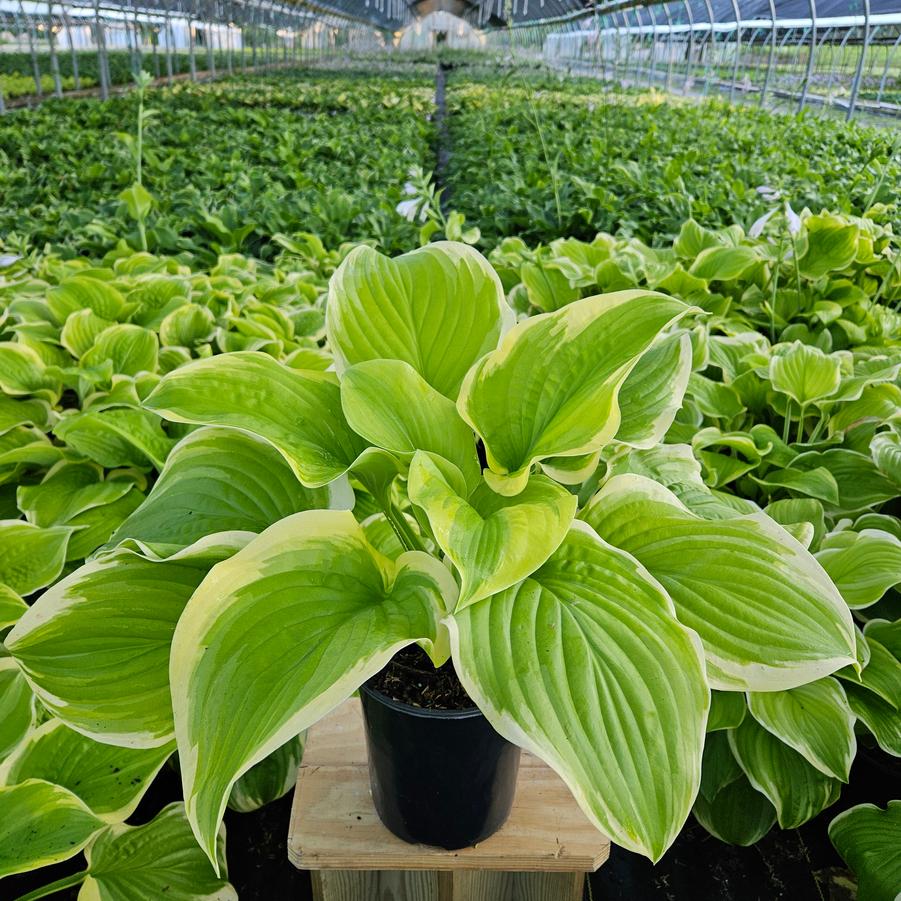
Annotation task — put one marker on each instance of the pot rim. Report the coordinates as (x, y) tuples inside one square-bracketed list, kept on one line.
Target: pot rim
[(422, 712)]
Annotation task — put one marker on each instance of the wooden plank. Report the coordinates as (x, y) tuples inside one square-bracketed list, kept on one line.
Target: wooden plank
[(412, 885), (482, 885), (334, 824)]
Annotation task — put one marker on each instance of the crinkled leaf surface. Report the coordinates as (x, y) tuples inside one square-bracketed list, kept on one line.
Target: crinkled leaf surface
[(766, 611), (584, 664), (551, 387), (438, 308), (298, 413), (279, 635), (493, 540), (95, 647)]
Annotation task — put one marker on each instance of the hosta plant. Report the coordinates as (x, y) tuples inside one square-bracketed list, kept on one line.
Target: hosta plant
[(431, 488)]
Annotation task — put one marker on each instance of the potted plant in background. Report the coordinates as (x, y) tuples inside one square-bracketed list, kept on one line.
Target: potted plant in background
[(441, 489)]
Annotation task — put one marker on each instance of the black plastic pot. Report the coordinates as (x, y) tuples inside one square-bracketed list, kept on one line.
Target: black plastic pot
[(438, 777)]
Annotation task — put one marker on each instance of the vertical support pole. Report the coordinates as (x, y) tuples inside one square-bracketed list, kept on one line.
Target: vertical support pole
[(54, 60), (890, 52), (689, 72), (669, 47), (735, 65), (154, 48), (35, 65), (101, 52), (192, 33), (67, 24), (855, 86), (210, 56), (772, 54), (170, 40), (138, 38), (652, 74), (811, 57), (711, 39)]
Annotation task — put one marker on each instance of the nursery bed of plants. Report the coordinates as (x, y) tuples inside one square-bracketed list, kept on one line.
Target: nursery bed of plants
[(645, 500)]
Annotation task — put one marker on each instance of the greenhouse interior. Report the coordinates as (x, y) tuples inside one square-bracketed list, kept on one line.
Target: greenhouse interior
[(450, 450)]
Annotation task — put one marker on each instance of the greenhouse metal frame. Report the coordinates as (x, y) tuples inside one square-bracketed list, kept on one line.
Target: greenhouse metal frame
[(799, 53)]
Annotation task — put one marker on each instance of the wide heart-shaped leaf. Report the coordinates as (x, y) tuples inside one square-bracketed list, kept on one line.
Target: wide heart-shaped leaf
[(41, 824), (805, 373), (493, 540), (796, 789), (389, 404), (129, 348), (279, 635), (551, 387), (815, 720), (831, 245), (298, 413), (863, 565), (652, 393), (737, 814), (95, 647), (438, 308), (767, 613), (109, 779), (158, 860), (222, 480), (117, 437), (868, 839), (31, 557), (17, 707), (584, 664)]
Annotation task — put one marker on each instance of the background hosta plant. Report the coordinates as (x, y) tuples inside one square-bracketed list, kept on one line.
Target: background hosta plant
[(633, 596)]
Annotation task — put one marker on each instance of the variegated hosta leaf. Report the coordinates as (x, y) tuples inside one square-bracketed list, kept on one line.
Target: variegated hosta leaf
[(805, 373), (279, 635), (130, 348), (727, 710), (767, 613), (117, 437), (41, 824), (298, 413), (158, 860), (11, 607), (863, 565), (888, 634), (878, 715), (17, 707), (219, 480), (438, 308), (269, 779), (886, 450), (95, 647), (737, 814), (728, 806), (31, 557), (815, 720), (881, 673), (796, 789), (585, 665), (551, 387), (493, 540), (391, 405), (652, 393), (110, 780), (868, 839)]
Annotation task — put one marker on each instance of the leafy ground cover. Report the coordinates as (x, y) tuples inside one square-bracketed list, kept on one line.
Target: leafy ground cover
[(542, 159), (774, 400), (229, 165)]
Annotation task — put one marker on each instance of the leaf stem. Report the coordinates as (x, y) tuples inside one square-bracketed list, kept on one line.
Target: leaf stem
[(53, 887), (786, 426), (407, 537)]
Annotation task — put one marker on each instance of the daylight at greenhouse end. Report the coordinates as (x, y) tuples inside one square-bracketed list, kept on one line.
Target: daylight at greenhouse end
[(450, 450)]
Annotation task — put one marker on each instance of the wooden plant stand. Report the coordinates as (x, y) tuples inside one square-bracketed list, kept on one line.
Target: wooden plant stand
[(541, 854)]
